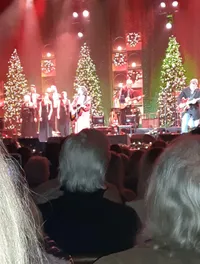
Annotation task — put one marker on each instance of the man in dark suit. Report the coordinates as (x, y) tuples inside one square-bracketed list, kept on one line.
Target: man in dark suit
[(191, 115)]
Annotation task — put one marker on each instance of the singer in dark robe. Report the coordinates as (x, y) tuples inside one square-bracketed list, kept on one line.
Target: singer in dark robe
[(34, 97), (55, 97), (28, 118), (45, 113), (64, 120)]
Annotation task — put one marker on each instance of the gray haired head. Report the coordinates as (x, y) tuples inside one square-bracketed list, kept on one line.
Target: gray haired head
[(173, 197), (84, 160)]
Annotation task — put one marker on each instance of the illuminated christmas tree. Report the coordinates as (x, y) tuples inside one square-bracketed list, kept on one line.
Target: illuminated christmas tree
[(173, 80), (86, 75), (15, 89)]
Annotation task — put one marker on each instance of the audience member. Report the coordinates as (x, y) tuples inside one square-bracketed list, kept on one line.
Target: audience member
[(133, 171), (115, 175), (173, 201), (52, 152), (19, 236), (147, 163), (37, 175), (116, 148), (25, 153), (159, 144), (83, 221)]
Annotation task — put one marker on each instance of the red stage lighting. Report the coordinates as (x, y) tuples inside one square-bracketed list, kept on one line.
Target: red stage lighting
[(133, 64), (75, 14), (175, 3), (163, 5), (86, 13), (169, 25), (119, 48), (80, 34)]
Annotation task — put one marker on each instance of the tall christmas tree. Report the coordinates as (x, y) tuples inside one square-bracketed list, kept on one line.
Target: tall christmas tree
[(86, 75), (15, 89), (173, 80)]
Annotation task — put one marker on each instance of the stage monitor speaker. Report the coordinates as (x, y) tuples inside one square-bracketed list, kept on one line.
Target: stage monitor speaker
[(119, 139), (150, 122), (57, 140), (173, 130), (32, 143), (7, 141), (142, 130)]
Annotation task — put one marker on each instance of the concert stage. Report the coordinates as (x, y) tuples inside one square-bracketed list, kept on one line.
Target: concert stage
[(141, 135)]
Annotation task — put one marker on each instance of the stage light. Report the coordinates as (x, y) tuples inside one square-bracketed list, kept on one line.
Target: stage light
[(86, 13), (75, 14), (48, 54), (169, 25), (29, 3), (162, 4), (133, 65), (80, 34), (119, 48), (175, 3), (120, 85)]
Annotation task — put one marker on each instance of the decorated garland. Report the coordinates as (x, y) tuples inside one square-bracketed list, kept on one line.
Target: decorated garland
[(119, 59), (136, 75), (133, 39), (48, 66)]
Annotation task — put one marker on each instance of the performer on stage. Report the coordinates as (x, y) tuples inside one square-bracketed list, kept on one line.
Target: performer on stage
[(190, 109), (64, 115), (113, 119), (56, 108), (80, 110), (126, 92), (45, 113), (28, 118), (34, 98)]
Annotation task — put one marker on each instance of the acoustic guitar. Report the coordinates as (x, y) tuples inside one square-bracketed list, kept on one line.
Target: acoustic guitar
[(77, 110)]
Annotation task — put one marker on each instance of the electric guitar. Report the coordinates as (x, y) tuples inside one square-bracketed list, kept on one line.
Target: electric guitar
[(185, 104), (130, 101)]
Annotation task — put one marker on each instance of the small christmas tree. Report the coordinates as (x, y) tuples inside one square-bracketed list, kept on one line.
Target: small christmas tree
[(173, 80), (86, 75), (15, 89)]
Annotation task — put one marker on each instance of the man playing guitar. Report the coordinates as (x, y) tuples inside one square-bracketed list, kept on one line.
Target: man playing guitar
[(190, 107)]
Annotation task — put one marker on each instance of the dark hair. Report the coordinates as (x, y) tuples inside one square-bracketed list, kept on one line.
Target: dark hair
[(146, 166)]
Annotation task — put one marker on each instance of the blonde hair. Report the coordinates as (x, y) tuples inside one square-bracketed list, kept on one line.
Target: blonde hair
[(18, 231)]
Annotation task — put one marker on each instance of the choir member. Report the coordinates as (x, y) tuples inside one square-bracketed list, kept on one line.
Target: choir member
[(28, 118), (64, 120), (45, 113)]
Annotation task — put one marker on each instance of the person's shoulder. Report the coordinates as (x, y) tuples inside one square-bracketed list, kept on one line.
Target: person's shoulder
[(130, 256), (186, 89), (119, 209)]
